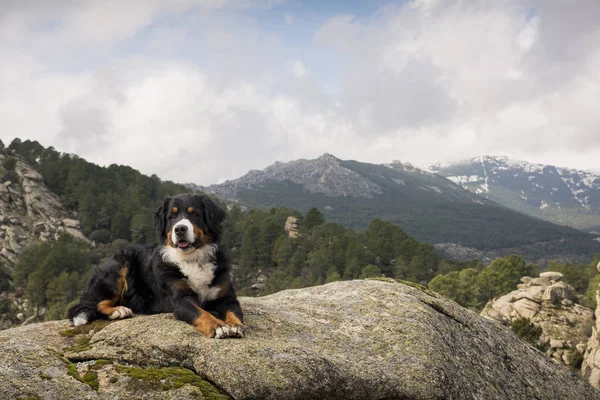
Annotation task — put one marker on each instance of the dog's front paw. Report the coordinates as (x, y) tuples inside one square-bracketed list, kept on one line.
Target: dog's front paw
[(208, 325), (120, 313), (227, 331)]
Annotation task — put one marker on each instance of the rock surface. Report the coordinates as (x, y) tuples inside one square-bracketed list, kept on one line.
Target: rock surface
[(590, 368), (292, 226), (29, 211), (549, 304), (345, 340)]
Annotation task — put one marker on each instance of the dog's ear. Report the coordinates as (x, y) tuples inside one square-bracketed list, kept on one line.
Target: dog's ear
[(160, 218), (214, 216)]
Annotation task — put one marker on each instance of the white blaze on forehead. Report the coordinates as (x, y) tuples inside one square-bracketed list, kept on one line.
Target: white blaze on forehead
[(189, 233)]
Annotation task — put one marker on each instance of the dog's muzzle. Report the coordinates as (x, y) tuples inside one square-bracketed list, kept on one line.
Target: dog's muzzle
[(183, 235)]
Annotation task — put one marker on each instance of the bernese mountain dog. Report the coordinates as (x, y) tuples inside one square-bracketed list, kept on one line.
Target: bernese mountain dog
[(187, 274)]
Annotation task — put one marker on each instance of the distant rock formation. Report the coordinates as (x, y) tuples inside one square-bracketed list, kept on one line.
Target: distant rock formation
[(550, 304), (292, 225), (29, 211), (344, 340), (590, 368)]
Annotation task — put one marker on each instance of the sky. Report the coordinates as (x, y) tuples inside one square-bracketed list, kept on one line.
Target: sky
[(205, 90)]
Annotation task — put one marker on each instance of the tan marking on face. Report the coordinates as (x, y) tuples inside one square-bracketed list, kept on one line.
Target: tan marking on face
[(174, 210), (169, 241), (206, 323), (232, 320), (190, 210), (199, 235)]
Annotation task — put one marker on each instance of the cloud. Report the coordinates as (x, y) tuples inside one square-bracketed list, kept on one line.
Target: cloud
[(152, 83), (298, 69)]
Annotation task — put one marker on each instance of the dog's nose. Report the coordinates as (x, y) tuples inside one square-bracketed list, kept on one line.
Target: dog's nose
[(180, 230)]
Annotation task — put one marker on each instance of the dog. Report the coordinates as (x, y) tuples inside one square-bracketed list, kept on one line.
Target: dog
[(187, 274)]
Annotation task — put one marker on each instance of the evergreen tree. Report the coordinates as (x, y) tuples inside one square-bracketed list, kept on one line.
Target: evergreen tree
[(313, 218)]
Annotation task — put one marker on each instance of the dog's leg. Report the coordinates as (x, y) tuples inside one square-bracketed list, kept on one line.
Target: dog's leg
[(186, 306), (231, 312), (109, 307), (104, 295)]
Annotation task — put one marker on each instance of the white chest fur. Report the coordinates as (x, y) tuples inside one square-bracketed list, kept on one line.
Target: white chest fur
[(200, 276), (198, 267)]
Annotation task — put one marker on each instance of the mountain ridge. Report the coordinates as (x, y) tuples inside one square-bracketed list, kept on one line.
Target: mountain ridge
[(562, 195), (426, 205)]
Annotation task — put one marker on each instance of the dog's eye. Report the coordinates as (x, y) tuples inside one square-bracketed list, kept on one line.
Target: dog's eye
[(194, 214), (173, 216)]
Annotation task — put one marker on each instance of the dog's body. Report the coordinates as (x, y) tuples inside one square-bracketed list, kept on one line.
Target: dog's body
[(187, 275)]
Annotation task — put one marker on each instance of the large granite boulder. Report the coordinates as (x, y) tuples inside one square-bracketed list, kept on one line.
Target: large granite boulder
[(550, 304), (590, 367), (344, 340)]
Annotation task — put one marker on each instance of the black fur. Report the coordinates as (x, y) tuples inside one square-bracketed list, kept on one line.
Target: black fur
[(154, 285)]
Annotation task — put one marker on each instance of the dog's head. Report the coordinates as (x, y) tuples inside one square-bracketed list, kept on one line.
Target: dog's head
[(188, 222)]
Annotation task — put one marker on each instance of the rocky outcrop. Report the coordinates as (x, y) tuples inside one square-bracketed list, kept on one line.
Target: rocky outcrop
[(344, 340), (292, 225), (548, 303), (29, 211), (590, 368)]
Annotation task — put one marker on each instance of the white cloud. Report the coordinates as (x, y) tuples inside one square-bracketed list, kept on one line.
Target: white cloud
[(298, 69), (423, 82)]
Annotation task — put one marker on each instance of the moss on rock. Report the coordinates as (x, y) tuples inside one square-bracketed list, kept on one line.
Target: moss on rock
[(92, 327), (168, 378)]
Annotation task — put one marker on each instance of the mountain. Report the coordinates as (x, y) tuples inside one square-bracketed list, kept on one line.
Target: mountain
[(427, 206), (560, 195)]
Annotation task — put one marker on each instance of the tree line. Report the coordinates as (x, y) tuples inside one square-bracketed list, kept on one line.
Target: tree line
[(115, 204), (474, 287)]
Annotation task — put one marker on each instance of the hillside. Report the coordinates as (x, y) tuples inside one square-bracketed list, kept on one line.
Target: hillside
[(425, 205), (560, 195), (29, 211)]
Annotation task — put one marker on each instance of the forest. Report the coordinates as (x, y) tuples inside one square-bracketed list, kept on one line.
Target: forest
[(115, 206)]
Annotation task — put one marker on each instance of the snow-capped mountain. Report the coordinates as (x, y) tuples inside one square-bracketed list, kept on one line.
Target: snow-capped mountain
[(561, 195)]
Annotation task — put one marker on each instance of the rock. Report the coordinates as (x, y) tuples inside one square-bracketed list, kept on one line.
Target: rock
[(590, 368), (9, 255), (552, 275), (70, 223), (292, 226), (526, 279), (559, 291), (15, 246), (526, 308), (32, 176), (15, 221), (344, 340), (76, 233), (549, 306), (540, 282)]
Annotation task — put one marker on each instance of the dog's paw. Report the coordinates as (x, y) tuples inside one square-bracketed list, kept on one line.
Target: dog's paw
[(227, 331), (120, 313)]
